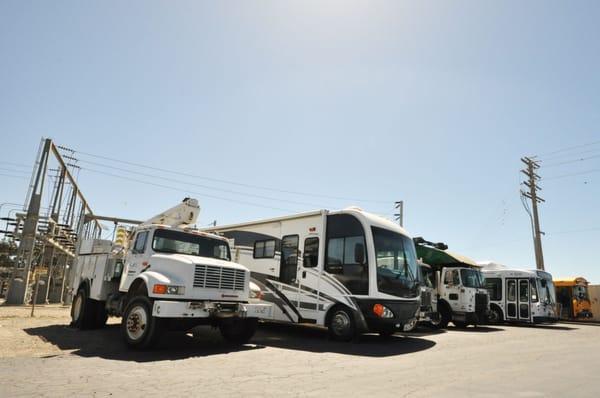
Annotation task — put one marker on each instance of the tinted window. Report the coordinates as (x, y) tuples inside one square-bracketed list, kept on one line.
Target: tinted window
[(534, 292), (494, 286), (140, 242), (311, 252), (523, 291), (346, 255), (511, 291), (396, 259), (168, 241), (289, 258), (264, 249)]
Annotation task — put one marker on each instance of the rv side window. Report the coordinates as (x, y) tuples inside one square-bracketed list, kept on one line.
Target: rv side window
[(140, 242), (494, 286), (311, 252), (264, 249)]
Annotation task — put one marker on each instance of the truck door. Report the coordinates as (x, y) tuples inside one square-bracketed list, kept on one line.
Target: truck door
[(524, 299), (134, 259), (511, 299), (451, 280)]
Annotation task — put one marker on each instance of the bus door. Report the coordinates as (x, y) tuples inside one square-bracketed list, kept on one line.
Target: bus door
[(511, 299), (524, 300)]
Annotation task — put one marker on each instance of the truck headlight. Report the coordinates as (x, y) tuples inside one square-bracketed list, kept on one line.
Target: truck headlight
[(382, 311), (168, 289)]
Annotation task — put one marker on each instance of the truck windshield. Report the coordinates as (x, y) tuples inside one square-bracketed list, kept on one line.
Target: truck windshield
[(580, 292), (546, 289), (396, 263), (471, 278), (168, 241)]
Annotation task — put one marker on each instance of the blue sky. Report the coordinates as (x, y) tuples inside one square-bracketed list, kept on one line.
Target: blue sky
[(430, 102)]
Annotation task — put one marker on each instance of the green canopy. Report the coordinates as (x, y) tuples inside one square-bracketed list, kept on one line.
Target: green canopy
[(436, 257)]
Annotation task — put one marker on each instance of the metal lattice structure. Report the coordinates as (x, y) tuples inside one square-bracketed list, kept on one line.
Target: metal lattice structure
[(47, 231)]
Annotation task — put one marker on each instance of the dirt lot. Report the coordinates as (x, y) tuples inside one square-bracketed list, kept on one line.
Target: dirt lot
[(42, 356)]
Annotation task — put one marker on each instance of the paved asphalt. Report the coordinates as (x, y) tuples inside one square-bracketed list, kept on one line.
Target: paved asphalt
[(44, 357)]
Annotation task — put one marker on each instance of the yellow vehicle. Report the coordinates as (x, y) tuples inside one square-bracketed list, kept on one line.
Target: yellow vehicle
[(573, 298)]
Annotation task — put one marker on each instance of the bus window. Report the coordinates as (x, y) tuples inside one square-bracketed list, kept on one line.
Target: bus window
[(494, 286), (534, 292)]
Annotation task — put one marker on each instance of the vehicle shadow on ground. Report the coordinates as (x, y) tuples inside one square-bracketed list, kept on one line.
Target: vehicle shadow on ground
[(545, 327), (316, 339), (475, 329), (107, 343)]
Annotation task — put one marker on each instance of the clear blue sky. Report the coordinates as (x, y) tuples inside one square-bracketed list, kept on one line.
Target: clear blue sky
[(430, 102)]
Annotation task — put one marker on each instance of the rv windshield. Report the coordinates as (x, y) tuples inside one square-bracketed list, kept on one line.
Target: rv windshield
[(396, 263), (546, 289), (168, 241), (471, 278)]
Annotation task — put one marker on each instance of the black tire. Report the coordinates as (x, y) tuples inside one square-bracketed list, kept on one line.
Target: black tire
[(101, 314), (460, 325), (83, 311), (139, 328), (341, 324), (495, 316), (445, 317), (238, 330)]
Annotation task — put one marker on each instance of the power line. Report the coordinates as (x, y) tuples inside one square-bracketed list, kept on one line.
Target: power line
[(560, 156), (571, 174), (21, 177), (200, 185), (572, 161), (14, 171), (230, 182), (188, 192), (570, 148), (16, 164)]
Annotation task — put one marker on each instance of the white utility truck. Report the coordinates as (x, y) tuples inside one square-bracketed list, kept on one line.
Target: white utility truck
[(461, 294), (516, 295), (348, 270), (164, 275)]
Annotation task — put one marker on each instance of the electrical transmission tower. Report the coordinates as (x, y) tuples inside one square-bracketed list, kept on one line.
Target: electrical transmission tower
[(530, 193)]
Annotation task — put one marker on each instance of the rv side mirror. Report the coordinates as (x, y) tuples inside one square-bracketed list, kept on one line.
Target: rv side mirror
[(359, 253)]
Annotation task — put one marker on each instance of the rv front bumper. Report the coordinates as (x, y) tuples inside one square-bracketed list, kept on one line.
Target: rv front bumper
[(210, 309), (403, 312)]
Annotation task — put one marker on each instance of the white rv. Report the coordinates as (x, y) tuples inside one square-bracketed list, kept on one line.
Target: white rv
[(520, 295), (163, 275), (348, 270)]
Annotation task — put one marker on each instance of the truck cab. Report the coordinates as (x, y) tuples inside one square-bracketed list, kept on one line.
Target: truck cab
[(459, 284)]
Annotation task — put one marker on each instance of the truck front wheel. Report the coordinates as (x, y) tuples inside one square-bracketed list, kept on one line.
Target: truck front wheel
[(139, 328), (238, 330)]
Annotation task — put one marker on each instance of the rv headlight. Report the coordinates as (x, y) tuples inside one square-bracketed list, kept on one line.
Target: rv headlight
[(382, 311), (168, 289)]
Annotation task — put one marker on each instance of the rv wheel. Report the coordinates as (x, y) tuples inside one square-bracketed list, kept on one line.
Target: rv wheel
[(139, 328), (341, 325)]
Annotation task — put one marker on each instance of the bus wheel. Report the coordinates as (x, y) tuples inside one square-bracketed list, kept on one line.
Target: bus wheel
[(341, 325), (238, 331), (139, 328), (495, 315)]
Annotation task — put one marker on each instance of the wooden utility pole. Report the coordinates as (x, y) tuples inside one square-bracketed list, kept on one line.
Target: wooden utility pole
[(531, 193)]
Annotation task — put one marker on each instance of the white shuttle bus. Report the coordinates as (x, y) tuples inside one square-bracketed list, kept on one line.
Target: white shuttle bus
[(520, 295), (349, 270)]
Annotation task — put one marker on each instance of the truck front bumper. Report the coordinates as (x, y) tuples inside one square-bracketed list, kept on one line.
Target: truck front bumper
[(210, 309)]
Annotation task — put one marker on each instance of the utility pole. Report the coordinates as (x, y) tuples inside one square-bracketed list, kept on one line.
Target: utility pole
[(531, 183), (400, 215)]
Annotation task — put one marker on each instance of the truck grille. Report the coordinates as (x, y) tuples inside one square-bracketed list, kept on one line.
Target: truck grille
[(481, 302), (425, 299), (213, 277)]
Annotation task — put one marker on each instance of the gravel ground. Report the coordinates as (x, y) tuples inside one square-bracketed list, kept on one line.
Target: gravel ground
[(42, 356)]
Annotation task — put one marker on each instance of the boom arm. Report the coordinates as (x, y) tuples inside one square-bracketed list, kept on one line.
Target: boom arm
[(185, 213)]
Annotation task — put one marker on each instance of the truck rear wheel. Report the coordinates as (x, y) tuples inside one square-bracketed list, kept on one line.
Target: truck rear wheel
[(139, 328), (83, 311), (238, 330)]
